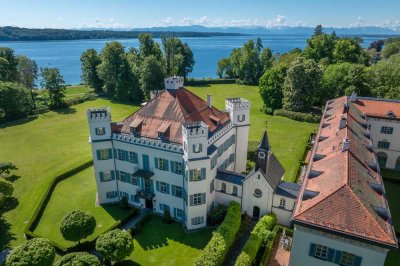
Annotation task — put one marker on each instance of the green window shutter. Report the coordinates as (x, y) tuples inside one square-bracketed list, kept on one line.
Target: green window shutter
[(157, 185), (203, 173), (173, 189), (101, 176), (137, 181), (117, 173), (115, 153), (166, 165), (338, 254), (161, 207), (126, 156), (331, 254), (167, 188), (312, 249), (175, 212), (191, 200), (357, 261), (151, 186), (200, 147), (98, 154), (113, 175), (172, 166), (191, 175), (203, 198), (110, 154), (135, 156), (156, 162)]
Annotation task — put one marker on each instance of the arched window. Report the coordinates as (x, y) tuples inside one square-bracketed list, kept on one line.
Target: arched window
[(282, 203), (397, 167), (234, 191), (223, 187), (382, 159)]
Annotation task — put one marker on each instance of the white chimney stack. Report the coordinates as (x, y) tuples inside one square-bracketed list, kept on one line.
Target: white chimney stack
[(209, 100), (346, 144), (353, 97)]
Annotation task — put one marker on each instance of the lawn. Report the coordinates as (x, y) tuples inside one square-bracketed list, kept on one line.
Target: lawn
[(166, 244), (76, 91), (288, 138), (84, 200), (55, 142)]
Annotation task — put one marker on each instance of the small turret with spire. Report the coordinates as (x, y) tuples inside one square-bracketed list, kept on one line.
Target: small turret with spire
[(263, 152)]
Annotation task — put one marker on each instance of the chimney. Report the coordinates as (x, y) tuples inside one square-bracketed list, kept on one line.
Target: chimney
[(345, 108), (209, 100), (353, 97), (345, 144), (343, 122)]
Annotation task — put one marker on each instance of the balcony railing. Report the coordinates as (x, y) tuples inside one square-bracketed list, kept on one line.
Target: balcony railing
[(145, 194)]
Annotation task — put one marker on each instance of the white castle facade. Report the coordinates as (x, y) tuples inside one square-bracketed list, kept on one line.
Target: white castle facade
[(180, 153)]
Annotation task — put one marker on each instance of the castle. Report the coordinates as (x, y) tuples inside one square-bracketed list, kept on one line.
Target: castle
[(178, 152)]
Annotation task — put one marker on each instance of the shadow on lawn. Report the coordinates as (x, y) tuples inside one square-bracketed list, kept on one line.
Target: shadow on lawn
[(156, 233), (65, 111), (127, 263), (5, 235), (17, 122)]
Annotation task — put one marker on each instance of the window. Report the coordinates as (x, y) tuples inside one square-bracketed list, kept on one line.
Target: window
[(382, 159), (282, 203), (104, 154), (197, 220), (120, 154), (197, 174), (134, 180), (212, 186), (321, 252), (231, 158), (164, 207), (161, 135), (133, 157), (257, 193), (197, 199), (234, 190), (162, 187), (346, 259), (135, 199), (223, 187), (177, 191), (197, 148), (124, 194), (241, 118), (100, 131), (161, 164), (176, 167), (124, 177), (387, 130), (179, 213), (383, 144), (214, 161), (220, 150), (111, 194), (106, 176)]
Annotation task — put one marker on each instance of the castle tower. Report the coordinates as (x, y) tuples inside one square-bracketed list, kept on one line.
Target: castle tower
[(239, 112), (102, 152)]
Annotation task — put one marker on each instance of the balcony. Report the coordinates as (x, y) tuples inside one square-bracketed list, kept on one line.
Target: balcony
[(145, 194)]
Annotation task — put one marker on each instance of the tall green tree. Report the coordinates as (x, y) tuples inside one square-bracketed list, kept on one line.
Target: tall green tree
[(224, 69), (391, 49), (89, 63), (178, 57), (271, 87), (77, 225), (128, 82), (15, 101), (6, 168), (320, 46), (152, 73), (385, 78), (34, 252), (54, 83), (302, 85), (266, 60), (27, 73), (347, 50), (114, 246), (148, 46), (110, 67), (8, 65)]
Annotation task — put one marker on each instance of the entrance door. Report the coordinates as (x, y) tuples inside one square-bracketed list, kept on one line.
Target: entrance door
[(146, 165), (256, 212), (149, 204), (147, 186)]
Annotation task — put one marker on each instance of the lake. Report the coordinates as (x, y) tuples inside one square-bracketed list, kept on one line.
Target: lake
[(206, 50)]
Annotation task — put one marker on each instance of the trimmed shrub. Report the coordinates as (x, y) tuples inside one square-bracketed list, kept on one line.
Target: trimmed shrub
[(257, 237), (123, 203), (167, 216), (78, 259), (217, 214), (35, 252), (77, 225), (115, 245), (223, 237), (204, 81), (303, 117)]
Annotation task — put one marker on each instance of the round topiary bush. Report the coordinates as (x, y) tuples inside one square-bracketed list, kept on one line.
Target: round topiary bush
[(34, 252), (115, 245), (78, 259), (77, 225)]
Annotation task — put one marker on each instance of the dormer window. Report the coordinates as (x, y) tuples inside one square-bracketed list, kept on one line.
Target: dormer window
[(390, 114), (161, 135)]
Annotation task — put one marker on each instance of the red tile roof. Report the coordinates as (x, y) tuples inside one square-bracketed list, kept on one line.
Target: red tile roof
[(378, 107), (168, 111), (337, 192)]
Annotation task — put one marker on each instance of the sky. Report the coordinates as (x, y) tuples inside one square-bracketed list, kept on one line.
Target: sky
[(150, 13)]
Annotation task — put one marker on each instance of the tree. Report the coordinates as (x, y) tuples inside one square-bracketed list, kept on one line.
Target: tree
[(8, 65), (318, 30), (338, 79), (271, 87), (151, 75), (54, 83), (385, 78), (115, 245), (128, 84), (391, 49), (302, 85), (6, 168), (27, 73), (320, 46), (15, 101), (78, 259), (34, 252), (224, 69), (347, 50), (266, 60), (89, 63), (249, 64), (110, 67), (77, 225), (167, 216), (178, 57), (148, 47), (6, 190)]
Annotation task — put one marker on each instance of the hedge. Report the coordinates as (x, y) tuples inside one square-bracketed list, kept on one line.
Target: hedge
[(257, 237), (199, 82), (303, 117), (223, 237), (271, 241)]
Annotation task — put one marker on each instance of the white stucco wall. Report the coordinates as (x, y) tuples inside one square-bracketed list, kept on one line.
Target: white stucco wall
[(283, 214), (303, 237)]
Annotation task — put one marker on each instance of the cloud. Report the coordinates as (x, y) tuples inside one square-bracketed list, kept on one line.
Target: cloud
[(277, 22), (109, 23), (388, 23), (213, 22)]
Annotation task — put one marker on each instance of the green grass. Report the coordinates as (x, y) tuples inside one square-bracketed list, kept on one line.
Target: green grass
[(76, 91), (167, 244), (84, 200), (53, 143), (288, 137)]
